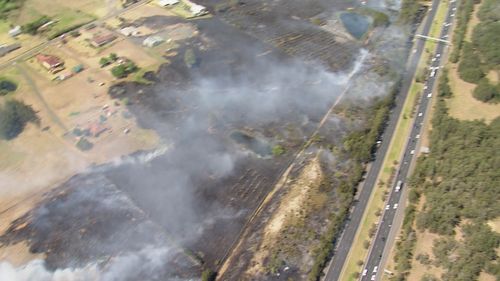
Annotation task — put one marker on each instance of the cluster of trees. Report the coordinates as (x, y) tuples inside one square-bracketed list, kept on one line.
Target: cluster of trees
[(32, 27), (13, 118), (105, 61), (7, 86), (124, 69), (465, 260), (409, 11), (459, 179), (379, 18), (360, 147), (8, 5), (463, 16), (489, 11), (469, 67), (482, 54)]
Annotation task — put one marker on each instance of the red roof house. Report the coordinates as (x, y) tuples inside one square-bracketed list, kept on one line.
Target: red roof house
[(52, 63)]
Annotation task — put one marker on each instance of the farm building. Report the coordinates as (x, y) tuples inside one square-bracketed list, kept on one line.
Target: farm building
[(15, 31), (52, 63), (195, 9), (129, 31), (152, 41), (101, 40), (165, 3)]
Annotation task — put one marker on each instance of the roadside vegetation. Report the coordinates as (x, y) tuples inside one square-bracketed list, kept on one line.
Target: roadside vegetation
[(459, 181), (9, 5), (482, 55), (409, 11), (360, 146), (14, 115)]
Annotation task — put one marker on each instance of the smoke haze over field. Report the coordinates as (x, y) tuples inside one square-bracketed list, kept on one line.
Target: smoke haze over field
[(136, 215)]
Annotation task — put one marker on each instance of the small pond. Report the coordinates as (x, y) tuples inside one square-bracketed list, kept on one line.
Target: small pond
[(357, 25)]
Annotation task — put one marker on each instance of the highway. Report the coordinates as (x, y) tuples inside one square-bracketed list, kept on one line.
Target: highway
[(372, 270), (345, 241)]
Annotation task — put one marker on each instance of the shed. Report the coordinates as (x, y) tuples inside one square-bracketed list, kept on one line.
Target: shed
[(101, 40), (129, 31), (165, 3), (15, 31), (152, 41), (77, 68)]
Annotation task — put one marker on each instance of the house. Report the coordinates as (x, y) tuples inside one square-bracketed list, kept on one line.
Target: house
[(101, 40), (15, 31), (52, 63), (165, 3), (129, 31), (152, 41)]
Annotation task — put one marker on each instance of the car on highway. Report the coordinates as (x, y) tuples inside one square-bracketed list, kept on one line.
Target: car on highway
[(387, 207), (398, 186), (429, 95), (375, 269), (364, 272), (417, 136), (412, 151), (395, 206), (420, 114), (373, 277)]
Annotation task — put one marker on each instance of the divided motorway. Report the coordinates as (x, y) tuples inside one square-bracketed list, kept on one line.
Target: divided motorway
[(372, 270), (346, 239)]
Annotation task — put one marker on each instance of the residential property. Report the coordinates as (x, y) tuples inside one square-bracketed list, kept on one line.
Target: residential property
[(15, 31), (152, 41), (100, 40), (165, 3), (52, 63)]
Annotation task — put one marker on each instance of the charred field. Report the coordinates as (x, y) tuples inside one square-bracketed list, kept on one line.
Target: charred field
[(255, 107)]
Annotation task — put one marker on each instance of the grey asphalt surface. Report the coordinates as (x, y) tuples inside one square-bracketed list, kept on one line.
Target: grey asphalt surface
[(373, 272), (345, 241)]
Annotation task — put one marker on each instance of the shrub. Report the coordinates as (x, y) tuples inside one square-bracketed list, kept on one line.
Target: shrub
[(189, 58), (13, 117), (83, 144), (278, 150), (484, 91), (7, 86), (469, 67)]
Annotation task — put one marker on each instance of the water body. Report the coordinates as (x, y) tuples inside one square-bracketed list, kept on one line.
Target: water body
[(357, 25)]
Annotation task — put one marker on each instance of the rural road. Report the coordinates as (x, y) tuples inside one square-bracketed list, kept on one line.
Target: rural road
[(378, 251), (345, 241)]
